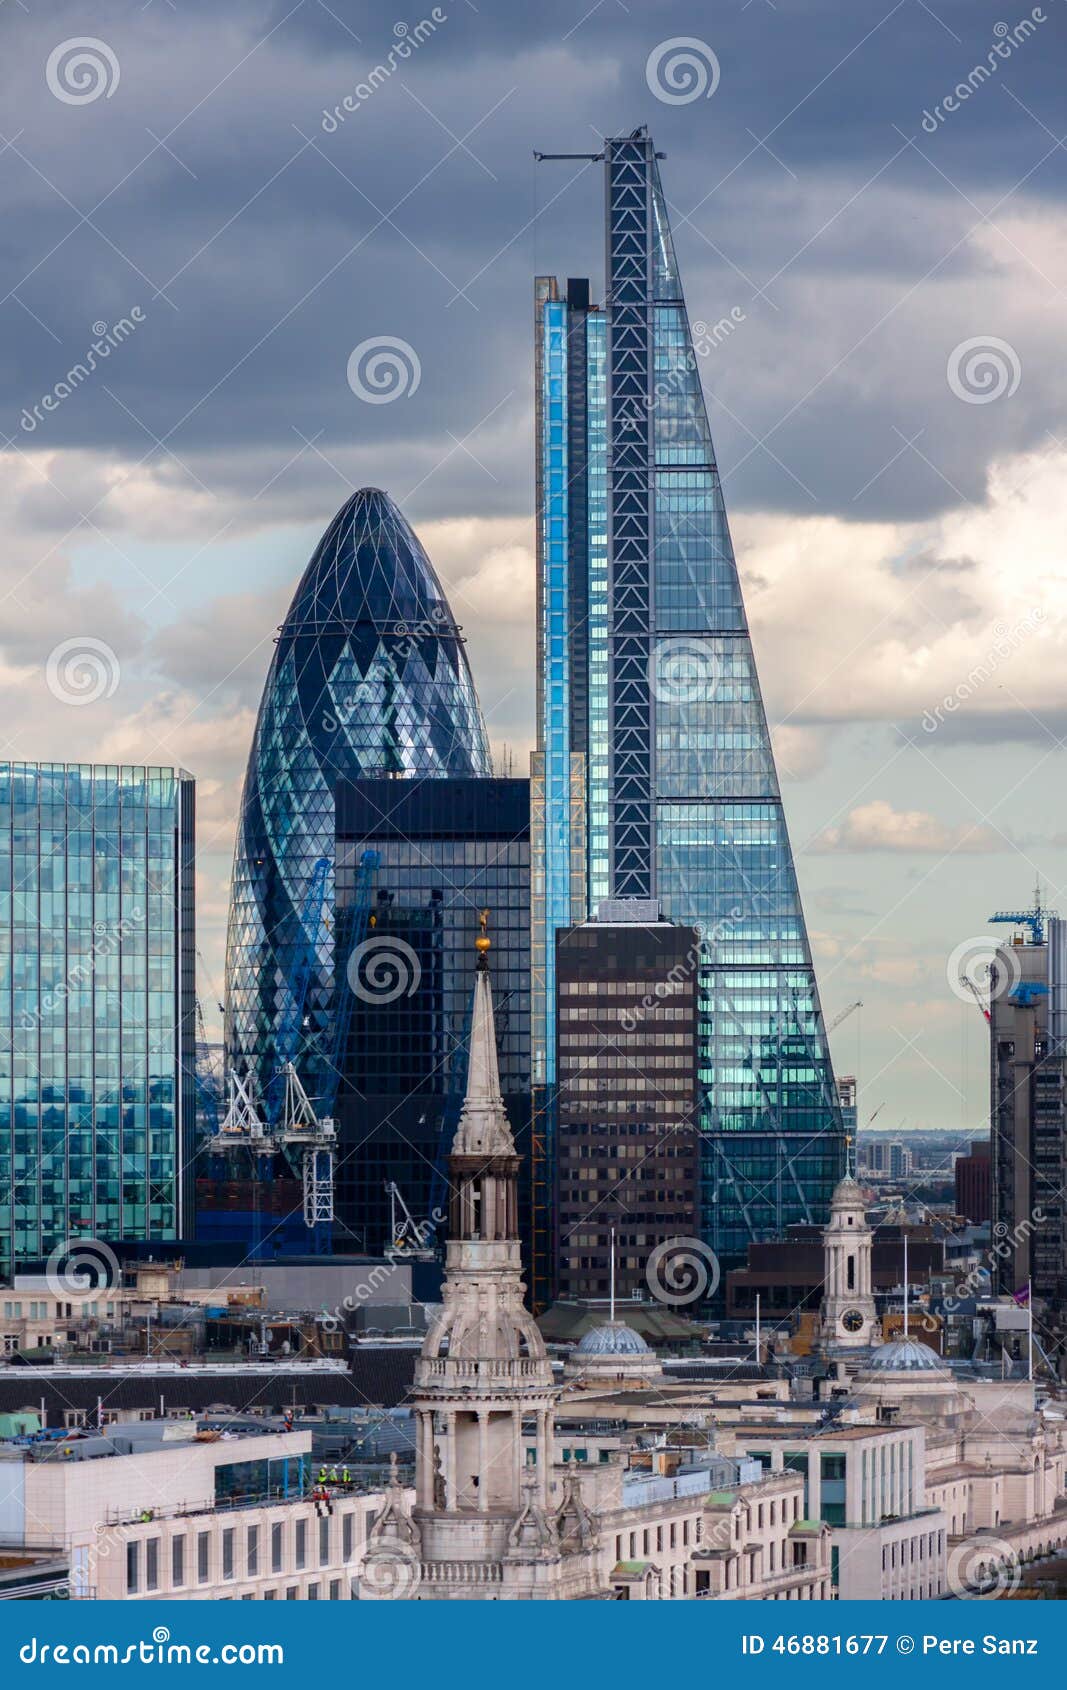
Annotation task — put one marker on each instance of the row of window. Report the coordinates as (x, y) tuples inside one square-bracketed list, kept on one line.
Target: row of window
[(232, 1552)]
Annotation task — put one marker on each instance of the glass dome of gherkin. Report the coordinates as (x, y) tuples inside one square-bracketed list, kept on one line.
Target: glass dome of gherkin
[(369, 677)]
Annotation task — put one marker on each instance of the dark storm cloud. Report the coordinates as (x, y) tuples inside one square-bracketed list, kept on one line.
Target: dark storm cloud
[(278, 244)]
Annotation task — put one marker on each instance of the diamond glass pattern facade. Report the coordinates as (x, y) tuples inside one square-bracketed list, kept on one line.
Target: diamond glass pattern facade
[(369, 678), (97, 1007), (654, 776)]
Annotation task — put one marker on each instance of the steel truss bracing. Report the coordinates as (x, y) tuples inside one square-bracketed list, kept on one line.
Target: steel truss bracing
[(630, 465)]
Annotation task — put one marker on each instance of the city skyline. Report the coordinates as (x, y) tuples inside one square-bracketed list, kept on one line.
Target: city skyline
[(882, 520)]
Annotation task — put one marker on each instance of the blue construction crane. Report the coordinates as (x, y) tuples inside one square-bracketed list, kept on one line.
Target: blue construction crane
[(315, 920), (1034, 918), (350, 931)]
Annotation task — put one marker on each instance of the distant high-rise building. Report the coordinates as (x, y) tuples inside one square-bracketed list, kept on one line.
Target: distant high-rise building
[(654, 777), (900, 1160), (444, 851), (628, 1156), (1028, 1058), (974, 1185), (97, 1005), (369, 678)]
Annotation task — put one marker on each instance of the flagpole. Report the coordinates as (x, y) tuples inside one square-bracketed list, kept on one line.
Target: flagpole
[(1030, 1331), (758, 1356), (905, 1279), (613, 1276)]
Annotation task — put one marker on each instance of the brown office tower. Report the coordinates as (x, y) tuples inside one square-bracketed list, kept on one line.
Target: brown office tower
[(627, 1151)]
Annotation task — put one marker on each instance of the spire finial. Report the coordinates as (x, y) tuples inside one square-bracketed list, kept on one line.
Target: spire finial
[(483, 941)]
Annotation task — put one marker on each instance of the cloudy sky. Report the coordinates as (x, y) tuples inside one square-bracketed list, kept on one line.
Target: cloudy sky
[(228, 203)]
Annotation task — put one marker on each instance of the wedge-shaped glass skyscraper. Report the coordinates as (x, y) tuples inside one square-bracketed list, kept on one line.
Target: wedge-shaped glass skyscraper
[(654, 778), (370, 677)]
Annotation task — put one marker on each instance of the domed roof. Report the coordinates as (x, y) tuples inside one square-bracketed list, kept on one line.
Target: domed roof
[(369, 678), (848, 1193), (614, 1338), (904, 1355)]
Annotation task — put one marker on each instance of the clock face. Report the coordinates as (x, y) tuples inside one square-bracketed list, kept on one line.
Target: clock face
[(852, 1320)]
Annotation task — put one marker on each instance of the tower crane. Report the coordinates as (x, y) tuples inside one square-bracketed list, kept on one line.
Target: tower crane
[(1034, 918), (843, 1014)]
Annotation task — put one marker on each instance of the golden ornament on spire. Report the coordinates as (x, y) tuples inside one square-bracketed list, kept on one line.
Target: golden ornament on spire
[(483, 941)]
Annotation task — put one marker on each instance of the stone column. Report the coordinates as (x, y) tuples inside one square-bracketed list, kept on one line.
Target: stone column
[(483, 1460), (451, 1500), (424, 1459)]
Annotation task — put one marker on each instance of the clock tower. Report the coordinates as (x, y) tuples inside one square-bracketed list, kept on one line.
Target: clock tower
[(848, 1320)]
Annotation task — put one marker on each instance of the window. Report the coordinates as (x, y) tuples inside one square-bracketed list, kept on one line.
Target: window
[(270, 1596), (177, 1562), (292, 1591), (252, 1552), (324, 1541), (301, 1544), (335, 1590), (313, 1592), (276, 1546), (227, 1553), (347, 1534), (203, 1556), (151, 1564), (133, 1568)]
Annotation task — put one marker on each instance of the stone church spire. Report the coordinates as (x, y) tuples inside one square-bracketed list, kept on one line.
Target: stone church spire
[(486, 1522)]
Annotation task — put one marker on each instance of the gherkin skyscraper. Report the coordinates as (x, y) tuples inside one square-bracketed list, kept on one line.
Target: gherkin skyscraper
[(369, 678), (654, 779)]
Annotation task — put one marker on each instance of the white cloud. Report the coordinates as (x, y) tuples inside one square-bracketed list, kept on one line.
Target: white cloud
[(878, 827)]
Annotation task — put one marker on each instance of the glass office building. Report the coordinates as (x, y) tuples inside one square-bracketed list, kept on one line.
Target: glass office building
[(370, 678), (97, 1005), (446, 851), (654, 777)]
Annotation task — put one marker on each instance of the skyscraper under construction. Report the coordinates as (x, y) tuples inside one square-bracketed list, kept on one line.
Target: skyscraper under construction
[(654, 782)]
